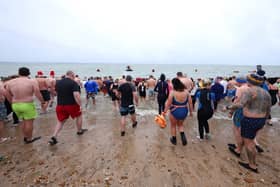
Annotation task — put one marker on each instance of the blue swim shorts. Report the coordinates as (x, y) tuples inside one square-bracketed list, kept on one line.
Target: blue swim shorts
[(250, 126), (237, 117)]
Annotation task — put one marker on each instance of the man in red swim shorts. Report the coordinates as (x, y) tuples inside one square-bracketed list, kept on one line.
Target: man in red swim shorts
[(68, 104)]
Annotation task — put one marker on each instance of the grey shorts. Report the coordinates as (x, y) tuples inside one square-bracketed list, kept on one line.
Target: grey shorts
[(3, 111), (151, 92)]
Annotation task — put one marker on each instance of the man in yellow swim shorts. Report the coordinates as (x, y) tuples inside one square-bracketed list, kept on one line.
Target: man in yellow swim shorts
[(20, 93)]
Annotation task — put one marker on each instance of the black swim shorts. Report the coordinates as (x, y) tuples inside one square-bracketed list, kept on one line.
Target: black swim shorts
[(250, 126), (125, 110), (46, 95)]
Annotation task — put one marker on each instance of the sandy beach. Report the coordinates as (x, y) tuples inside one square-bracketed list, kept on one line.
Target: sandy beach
[(144, 157)]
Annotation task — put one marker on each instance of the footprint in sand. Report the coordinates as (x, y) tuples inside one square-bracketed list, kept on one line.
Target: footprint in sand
[(185, 168), (177, 180), (207, 164)]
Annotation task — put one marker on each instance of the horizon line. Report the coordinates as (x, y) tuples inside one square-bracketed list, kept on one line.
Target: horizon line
[(138, 63)]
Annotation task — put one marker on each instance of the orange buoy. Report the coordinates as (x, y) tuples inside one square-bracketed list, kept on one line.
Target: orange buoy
[(160, 120)]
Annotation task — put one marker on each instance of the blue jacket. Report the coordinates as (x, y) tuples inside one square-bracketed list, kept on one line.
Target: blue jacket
[(91, 86), (218, 90)]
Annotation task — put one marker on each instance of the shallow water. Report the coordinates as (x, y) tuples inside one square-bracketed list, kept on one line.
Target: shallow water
[(139, 70)]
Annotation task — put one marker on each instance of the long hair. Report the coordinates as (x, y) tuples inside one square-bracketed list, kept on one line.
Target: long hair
[(178, 85)]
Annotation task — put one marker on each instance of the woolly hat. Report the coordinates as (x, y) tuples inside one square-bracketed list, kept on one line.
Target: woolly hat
[(52, 73), (255, 79)]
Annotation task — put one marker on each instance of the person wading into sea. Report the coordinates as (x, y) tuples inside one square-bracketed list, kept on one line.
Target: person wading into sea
[(68, 104), (163, 92), (256, 103), (91, 88), (20, 93), (179, 102), (127, 93), (151, 83), (186, 81), (205, 108), (44, 87)]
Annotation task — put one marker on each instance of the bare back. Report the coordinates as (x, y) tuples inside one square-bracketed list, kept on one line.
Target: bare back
[(43, 83), (52, 83), (22, 89), (180, 96), (187, 82), (239, 91), (256, 102), (151, 83)]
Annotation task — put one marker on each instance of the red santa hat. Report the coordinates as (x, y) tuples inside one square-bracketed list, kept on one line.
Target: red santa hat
[(40, 73)]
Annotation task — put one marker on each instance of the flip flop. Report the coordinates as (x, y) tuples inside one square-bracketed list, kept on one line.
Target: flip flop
[(81, 131), (259, 149), (53, 141), (232, 150), (32, 140), (232, 145), (247, 166)]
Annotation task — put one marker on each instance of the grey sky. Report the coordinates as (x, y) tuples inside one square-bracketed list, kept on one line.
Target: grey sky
[(147, 31)]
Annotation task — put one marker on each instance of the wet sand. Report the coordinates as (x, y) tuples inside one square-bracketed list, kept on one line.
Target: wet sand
[(144, 157)]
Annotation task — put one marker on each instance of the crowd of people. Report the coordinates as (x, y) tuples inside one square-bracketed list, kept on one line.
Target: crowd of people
[(251, 98)]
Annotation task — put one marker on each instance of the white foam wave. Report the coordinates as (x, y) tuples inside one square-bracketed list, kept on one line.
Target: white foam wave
[(143, 112)]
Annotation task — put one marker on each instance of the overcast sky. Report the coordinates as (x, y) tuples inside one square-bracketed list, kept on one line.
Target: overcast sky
[(147, 31)]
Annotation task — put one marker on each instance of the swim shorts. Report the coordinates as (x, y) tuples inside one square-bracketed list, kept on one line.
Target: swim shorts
[(250, 126), (90, 95), (25, 111), (237, 117), (3, 111), (125, 110), (151, 92), (64, 111), (46, 95)]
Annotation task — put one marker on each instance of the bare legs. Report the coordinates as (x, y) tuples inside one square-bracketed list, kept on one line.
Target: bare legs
[(59, 125), (44, 107), (251, 152), (174, 123), (27, 128), (238, 138), (123, 119)]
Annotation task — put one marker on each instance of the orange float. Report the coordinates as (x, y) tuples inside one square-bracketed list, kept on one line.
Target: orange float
[(160, 120)]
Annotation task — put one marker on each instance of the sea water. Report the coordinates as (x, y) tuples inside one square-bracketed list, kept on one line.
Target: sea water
[(139, 70)]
